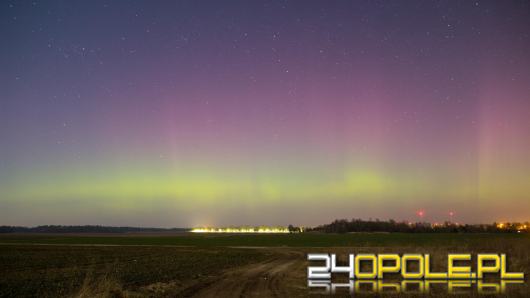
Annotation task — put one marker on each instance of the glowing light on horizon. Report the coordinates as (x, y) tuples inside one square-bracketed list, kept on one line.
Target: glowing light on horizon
[(265, 230)]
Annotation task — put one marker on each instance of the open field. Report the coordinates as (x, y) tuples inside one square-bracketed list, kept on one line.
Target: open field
[(270, 240), (213, 265)]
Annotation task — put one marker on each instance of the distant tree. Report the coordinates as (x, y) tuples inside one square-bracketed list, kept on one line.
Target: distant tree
[(358, 225)]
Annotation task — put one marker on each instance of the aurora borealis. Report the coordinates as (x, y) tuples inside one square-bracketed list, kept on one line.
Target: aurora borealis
[(195, 113)]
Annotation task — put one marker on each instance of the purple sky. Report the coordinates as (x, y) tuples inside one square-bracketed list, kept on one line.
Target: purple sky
[(185, 113)]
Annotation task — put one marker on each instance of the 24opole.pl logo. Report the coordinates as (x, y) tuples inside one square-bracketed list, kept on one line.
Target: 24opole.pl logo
[(412, 273)]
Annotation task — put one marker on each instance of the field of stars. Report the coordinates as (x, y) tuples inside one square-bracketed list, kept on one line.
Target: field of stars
[(194, 113)]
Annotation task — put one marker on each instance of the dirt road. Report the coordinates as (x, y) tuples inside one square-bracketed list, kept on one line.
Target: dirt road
[(280, 276)]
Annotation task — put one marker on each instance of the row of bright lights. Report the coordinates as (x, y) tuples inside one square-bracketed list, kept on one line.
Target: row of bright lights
[(240, 230), (519, 228)]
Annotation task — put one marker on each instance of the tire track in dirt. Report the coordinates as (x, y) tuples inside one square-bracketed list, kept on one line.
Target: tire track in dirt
[(270, 278)]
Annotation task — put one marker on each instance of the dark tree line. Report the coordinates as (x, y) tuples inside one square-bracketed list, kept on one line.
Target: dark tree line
[(337, 226), (84, 229), (359, 225)]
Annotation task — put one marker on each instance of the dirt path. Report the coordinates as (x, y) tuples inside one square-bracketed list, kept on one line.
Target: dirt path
[(276, 277)]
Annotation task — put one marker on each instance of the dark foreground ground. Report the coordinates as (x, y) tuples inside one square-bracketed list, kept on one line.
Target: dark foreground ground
[(181, 265)]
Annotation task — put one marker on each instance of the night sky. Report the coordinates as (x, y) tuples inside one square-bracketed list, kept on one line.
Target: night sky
[(188, 113)]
